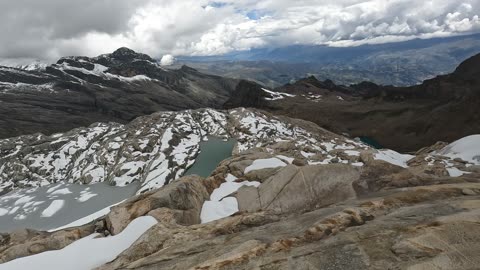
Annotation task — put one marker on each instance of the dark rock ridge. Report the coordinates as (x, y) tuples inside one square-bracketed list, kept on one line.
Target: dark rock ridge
[(402, 118), (78, 91)]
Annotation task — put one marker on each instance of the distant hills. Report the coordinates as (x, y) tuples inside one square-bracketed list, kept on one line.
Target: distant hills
[(445, 108), (401, 64)]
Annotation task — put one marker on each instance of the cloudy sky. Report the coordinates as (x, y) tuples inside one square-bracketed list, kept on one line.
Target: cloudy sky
[(48, 29)]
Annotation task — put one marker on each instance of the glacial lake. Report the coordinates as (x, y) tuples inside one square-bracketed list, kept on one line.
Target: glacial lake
[(370, 141), (212, 152), (56, 205)]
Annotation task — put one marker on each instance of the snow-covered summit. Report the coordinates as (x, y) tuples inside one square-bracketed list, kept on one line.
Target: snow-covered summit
[(38, 66)]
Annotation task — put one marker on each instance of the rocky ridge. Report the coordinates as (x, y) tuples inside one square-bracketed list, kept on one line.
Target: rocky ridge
[(120, 86), (155, 149), (416, 116), (305, 197)]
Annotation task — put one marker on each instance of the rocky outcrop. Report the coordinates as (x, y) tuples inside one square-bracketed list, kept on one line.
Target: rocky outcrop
[(320, 186), (247, 94), (297, 196), (412, 228), (179, 202), (25, 242)]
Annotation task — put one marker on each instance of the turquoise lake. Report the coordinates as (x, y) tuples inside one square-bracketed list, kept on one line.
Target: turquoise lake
[(212, 152)]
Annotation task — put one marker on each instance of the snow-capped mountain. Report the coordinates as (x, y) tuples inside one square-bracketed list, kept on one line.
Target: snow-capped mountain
[(35, 66), (78, 91)]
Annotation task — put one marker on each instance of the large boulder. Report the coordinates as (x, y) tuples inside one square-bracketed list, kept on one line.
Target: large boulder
[(300, 188), (26, 242), (180, 201)]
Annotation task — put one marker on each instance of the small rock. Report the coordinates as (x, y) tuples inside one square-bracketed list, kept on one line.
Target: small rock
[(468, 192), (299, 162)]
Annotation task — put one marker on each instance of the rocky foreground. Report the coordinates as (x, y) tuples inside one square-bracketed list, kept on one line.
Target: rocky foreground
[(292, 196)]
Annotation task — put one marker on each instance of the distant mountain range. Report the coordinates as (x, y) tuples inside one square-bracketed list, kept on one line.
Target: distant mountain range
[(118, 87), (401, 64)]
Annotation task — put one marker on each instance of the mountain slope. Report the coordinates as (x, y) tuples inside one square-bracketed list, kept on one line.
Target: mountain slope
[(78, 91), (292, 195), (402, 118)]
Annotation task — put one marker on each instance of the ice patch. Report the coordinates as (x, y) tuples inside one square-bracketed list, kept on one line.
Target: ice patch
[(94, 251), (393, 157), (228, 188), (467, 149), (220, 206), (214, 210), (53, 208), (265, 164), (62, 191), (86, 196), (454, 172), (23, 200), (277, 95), (352, 153)]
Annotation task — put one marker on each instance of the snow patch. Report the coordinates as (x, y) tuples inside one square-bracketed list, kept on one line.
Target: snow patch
[(467, 149), (53, 208), (220, 206), (268, 163), (87, 253), (393, 157), (277, 95)]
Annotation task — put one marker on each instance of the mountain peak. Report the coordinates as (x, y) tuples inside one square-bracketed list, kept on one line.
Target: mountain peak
[(125, 53), (469, 68)]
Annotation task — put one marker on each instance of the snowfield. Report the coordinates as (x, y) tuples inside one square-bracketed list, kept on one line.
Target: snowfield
[(220, 204), (467, 148), (87, 253)]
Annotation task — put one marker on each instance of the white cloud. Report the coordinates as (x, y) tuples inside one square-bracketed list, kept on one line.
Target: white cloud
[(167, 60), (54, 28)]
